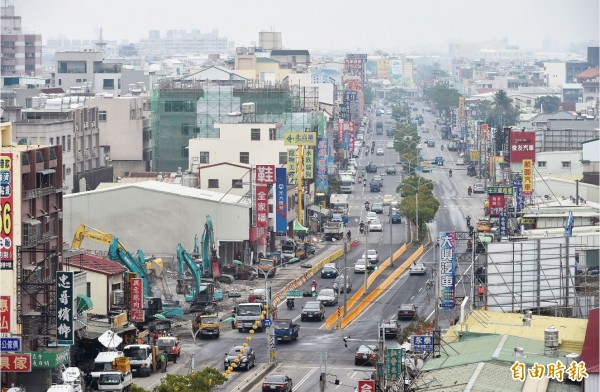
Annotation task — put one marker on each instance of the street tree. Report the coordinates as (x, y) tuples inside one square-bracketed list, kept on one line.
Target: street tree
[(206, 380), (428, 207), (443, 97), (548, 104)]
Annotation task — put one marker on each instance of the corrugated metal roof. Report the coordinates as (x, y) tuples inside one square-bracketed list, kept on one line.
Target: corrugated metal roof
[(95, 264), (571, 331), (590, 354)]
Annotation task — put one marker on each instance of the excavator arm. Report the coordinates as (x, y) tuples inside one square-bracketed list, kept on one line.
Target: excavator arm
[(84, 232), (121, 256), (210, 263), (183, 257)]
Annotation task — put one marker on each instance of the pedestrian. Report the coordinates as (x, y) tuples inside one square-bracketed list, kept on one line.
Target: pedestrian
[(233, 320)]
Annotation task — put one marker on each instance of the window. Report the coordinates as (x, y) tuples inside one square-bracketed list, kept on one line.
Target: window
[(213, 183), (255, 134), (77, 80), (59, 82), (541, 163), (8, 44), (184, 152), (63, 143), (51, 141), (180, 106), (236, 183), (108, 84), (566, 164), (244, 157), (204, 157), (68, 142), (282, 158), (102, 115), (88, 289), (68, 171), (185, 129), (272, 134), (115, 286)]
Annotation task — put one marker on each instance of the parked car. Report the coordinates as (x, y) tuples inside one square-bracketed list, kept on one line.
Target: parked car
[(372, 255), (478, 188), (246, 361), (371, 216), (328, 297), (366, 355), (277, 383), (329, 271), (338, 285), (387, 199), (407, 311), (417, 269), (377, 207), (375, 225), (313, 310)]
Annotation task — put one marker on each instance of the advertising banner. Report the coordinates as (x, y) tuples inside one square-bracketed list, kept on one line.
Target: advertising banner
[(137, 293), (15, 363), (355, 64), (394, 363), (422, 343), (322, 181), (262, 205), (5, 314), (6, 193), (527, 177), (522, 146), (461, 107), (503, 223), (346, 141), (137, 315), (265, 174), (366, 386), (299, 138), (496, 204), (281, 202), (49, 360), (447, 270), (64, 308), (309, 163)]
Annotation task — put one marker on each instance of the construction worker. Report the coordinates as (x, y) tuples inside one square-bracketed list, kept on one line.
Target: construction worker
[(480, 292), (175, 352)]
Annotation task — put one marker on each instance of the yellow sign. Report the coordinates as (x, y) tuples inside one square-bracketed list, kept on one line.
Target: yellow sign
[(300, 138), (527, 176), (119, 320), (308, 163), (461, 107), (474, 155)]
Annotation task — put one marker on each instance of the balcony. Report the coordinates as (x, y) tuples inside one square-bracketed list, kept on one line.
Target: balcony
[(39, 192)]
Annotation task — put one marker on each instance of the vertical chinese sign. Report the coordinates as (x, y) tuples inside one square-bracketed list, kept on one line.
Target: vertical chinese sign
[(5, 314), (496, 204), (352, 133), (518, 191), (527, 177), (137, 300), (309, 163), (447, 270), (262, 206), (322, 181), (281, 202), (292, 164), (64, 308), (6, 193), (340, 131), (265, 174)]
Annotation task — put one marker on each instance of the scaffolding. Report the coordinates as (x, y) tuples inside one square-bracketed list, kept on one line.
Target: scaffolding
[(185, 109)]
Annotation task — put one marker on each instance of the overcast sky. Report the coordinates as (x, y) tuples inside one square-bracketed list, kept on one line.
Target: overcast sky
[(325, 24)]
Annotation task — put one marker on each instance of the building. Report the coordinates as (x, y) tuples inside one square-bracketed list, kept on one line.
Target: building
[(561, 164), (292, 59), (590, 82), (590, 161), (181, 42), (270, 40), (87, 72), (21, 51), (566, 135)]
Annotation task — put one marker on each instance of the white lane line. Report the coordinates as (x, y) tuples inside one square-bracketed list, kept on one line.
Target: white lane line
[(411, 298), (305, 377), (420, 289)]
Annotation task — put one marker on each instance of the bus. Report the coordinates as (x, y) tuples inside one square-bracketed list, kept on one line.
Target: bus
[(339, 208), (379, 128)]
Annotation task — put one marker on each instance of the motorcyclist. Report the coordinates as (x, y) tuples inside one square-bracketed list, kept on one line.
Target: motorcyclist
[(450, 172), (361, 227), (468, 220), (367, 206), (349, 235), (290, 303), (313, 286), (470, 190), (442, 147)]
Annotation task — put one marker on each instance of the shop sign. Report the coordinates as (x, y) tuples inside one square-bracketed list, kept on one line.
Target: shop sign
[(265, 174), (11, 344), (527, 177), (496, 204), (308, 163), (5, 314), (137, 315), (119, 320), (49, 360), (6, 231), (300, 139), (322, 181), (15, 363), (281, 202), (447, 270), (262, 205), (64, 308), (137, 295), (522, 146)]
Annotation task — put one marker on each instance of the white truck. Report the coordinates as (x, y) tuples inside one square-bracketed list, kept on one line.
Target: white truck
[(333, 230), (72, 381), (103, 362), (247, 314), (142, 358), (346, 183), (119, 379)]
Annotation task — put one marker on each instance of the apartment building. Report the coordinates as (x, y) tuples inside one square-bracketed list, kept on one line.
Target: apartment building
[(21, 51), (87, 71)]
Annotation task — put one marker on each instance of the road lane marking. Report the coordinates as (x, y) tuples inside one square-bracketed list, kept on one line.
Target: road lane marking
[(420, 289), (411, 298), (305, 377)]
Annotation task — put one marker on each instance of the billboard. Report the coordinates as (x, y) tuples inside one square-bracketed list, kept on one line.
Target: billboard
[(496, 204), (281, 202), (340, 130), (5, 314), (396, 69), (65, 311), (265, 174), (522, 146), (262, 206), (322, 181), (447, 269), (6, 193)]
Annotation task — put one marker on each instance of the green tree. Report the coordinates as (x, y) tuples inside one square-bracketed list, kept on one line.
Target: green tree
[(135, 388), (369, 94), (206, 380), (443, 97), (428, 205), (548, 103)]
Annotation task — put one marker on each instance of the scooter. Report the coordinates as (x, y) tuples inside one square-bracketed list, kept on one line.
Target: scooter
[(290, 303), (470, 190)]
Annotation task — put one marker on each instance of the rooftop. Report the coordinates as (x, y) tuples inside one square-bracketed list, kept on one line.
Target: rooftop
[(589, 73), (94, 263)]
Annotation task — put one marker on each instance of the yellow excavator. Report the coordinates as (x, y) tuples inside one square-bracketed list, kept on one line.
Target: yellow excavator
[(155, 265)]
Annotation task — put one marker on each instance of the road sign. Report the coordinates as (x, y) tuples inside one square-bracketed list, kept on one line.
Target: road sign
[(294, 294), (366, 386), (267, 323), (300, 139), (10, 344), (422, 343)]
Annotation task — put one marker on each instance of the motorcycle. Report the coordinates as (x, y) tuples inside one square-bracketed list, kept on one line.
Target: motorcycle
[(290, 303), (367, 206), (442, 147), (313, 288), (361, 228), (450, 173), (470, 190)]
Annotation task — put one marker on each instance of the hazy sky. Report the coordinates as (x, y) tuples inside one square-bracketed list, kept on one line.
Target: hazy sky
[(325, 24)]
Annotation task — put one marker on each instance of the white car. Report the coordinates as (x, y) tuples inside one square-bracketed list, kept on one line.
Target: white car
[(375, 225), (371, 216), (390, 145), (360, 266), (379, 151), (460, 161), (417, 269), (372, 255), (352, 161)]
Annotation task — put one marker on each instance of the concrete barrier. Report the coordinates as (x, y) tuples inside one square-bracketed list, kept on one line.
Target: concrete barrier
[(249, 382)]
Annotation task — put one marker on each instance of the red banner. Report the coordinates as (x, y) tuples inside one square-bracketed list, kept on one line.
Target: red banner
[(496, 204), (262, 206), (522, 146), (137, 315), (366, 386), (6, 213), (137, 293), (5, 314), (15, 363), (265, 174)]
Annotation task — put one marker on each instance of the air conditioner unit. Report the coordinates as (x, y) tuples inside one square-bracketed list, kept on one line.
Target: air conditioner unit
[(47, 218), (93, 124), (60, 215)]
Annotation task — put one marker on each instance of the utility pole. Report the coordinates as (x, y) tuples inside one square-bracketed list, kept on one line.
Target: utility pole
[(391, 247), (323, 368), (367, 262), (345, 277)]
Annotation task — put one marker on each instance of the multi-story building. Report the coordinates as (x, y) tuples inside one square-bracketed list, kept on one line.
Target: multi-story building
[(21, 51), (183, 42), (87, 71)]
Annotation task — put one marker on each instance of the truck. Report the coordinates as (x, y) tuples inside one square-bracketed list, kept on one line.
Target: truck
[(333, 230), (346, 184), (246, 314), (72, 381), (266, 267), (119, 379), (453, 145), (291, 249), (142, 358), (166, 343), (379, 128), (103, 362), (207, 325), (339, 208), (285, 329)]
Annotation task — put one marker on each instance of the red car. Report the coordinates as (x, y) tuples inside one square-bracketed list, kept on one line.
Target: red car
[(407, 311)]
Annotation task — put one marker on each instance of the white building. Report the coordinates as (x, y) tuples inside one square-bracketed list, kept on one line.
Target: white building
[(555, 74), (87, 71), (560, 164)]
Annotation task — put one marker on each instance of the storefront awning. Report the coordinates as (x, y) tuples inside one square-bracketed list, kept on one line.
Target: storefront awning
[(299, 227), (84, 303), (47, 171)]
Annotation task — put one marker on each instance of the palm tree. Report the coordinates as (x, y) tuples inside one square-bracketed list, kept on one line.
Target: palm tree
[(502, 103)]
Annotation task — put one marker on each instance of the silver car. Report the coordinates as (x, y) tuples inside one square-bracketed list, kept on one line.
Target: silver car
[(328, 297), (338, 285)]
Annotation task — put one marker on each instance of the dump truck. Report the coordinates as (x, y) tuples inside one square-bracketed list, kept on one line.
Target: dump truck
[(207, 325), (246, 314), (333, 230)]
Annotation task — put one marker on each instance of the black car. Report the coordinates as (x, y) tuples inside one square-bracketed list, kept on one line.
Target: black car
[(329, 271), (278, 383), (377, 208), (247, 360), (371, 168), (313, 310), (390, 170)]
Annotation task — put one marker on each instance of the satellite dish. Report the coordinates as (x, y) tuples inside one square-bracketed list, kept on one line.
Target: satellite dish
[(110, 340)]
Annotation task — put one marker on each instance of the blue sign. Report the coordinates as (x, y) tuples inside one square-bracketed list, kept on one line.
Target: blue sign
[(422, 343), (447, 269), (503, 223), (10, 344), (267, 322), (322, 181), (518, 190), (280, 202), (346, 140)]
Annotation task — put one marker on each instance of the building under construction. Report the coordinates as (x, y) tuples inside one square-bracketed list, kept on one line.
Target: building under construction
[(183, 109)]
